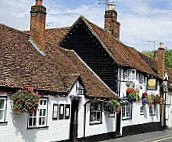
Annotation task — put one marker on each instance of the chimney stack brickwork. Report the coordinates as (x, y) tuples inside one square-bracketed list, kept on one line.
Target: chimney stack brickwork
[(37, 23), (161, 60), (111, 23)]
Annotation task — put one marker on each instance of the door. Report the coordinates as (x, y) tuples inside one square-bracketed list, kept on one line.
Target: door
[(118, 123), (74, 121)]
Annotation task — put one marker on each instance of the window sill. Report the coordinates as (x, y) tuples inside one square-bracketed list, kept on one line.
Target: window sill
[(152, 114), (5, 122), (127, 118), (95, 123), (37, 127)]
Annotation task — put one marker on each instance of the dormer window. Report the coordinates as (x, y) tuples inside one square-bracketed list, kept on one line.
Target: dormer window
[(129, 74)]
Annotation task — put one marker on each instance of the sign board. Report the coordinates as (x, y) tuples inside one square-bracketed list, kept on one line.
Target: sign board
[(152, 84)]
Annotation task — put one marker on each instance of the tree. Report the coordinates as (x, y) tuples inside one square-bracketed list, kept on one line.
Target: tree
[(168, 57)]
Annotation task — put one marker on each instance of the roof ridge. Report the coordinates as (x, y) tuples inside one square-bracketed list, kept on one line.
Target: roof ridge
[(22, 32)]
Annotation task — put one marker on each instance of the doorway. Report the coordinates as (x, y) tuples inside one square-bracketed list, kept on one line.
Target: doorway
[(118, 123), (74, 121)]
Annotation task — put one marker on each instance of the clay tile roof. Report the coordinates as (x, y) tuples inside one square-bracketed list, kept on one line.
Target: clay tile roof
[(122, 54), (93, 86), (169, 72), (21, 64)]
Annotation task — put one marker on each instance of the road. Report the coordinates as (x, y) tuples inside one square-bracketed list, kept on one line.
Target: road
[(161, 136)]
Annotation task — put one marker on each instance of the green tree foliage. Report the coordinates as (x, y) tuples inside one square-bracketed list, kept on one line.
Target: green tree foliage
[(168, 57)]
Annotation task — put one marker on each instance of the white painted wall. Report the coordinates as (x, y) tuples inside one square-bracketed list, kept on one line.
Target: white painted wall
[(141, 119), (142, 87), (169, 109), (108, 124), (16, 128), (136, 117)]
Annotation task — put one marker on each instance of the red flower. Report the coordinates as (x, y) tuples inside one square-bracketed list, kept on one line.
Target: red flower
[(130, 90), (26, 88), (144, 95)]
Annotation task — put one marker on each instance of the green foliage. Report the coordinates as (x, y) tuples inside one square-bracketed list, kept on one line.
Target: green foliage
[(168, 57), (25, 101), (149, 53), (113, 106)]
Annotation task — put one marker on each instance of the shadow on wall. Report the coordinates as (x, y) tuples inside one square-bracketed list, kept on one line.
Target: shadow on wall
[(20, 124), (110, 122)]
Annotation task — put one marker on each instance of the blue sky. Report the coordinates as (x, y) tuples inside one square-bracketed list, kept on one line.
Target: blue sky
[(141, 20)]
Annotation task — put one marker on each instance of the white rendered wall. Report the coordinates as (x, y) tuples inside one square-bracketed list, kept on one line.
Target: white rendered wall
[(108, 124), (16, 128), (141, 119), (136, 117), (169, 109)]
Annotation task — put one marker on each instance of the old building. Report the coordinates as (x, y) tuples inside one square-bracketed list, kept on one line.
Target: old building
[(76, 71)]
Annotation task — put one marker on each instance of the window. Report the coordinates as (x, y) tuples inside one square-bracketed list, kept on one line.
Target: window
[(141, 78), (96, 113), (3, 101), (129, 74), (55, 111), (67, 111), (127, 111), (80, 90), (152, 110), (61, 111), (142, 110), (39, 117)]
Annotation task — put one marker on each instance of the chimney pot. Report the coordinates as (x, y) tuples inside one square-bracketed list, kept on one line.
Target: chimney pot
[(38, 2), (111, 7), (161, 46)]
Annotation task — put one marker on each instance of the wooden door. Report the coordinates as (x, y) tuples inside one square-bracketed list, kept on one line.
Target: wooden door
[(74, 121)]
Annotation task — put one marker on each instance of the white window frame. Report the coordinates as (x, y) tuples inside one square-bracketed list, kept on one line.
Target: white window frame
[(3, 109), (152, 110), (129, 74), (142, 110), (141, 78), (40, 116), (96, 111), (127, 111)]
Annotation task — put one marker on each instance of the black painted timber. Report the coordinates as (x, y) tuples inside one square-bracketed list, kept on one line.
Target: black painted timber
[(86, 45)]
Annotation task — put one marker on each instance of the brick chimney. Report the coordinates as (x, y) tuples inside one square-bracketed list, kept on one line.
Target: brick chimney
[(111, 23), (161, 60), (37, 23)]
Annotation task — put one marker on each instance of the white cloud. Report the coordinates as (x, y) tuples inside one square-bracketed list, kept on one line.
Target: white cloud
[(140, 22)]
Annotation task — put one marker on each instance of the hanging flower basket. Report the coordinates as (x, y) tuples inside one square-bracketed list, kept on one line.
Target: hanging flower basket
[(133, 95), (151, 99), (113, 106), (25, 101)]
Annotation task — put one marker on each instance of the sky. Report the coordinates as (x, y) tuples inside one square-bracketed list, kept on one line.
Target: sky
[(142, 21)]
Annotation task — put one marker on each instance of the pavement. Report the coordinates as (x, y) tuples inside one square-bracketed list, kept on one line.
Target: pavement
[(160, 136)]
